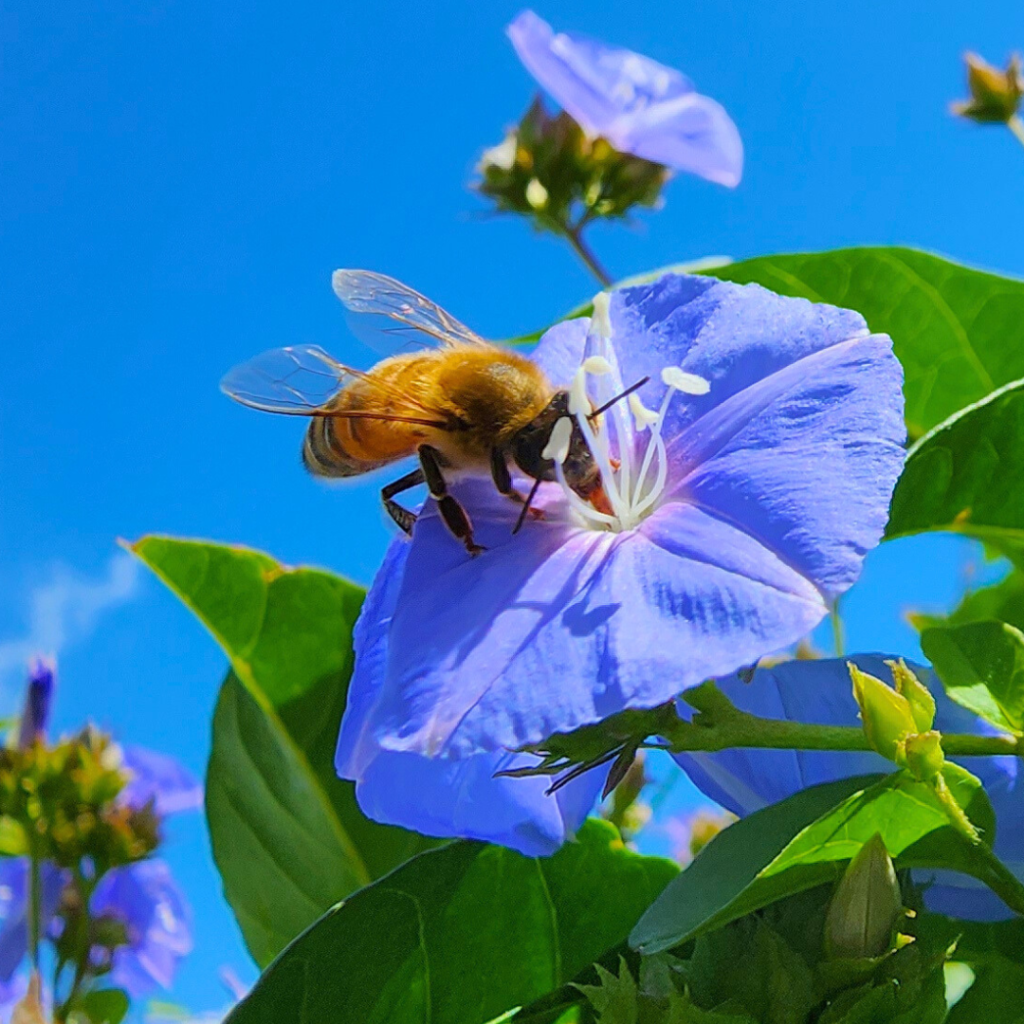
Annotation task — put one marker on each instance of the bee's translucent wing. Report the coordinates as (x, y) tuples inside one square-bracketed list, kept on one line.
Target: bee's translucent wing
[(391, 317), (300, 380)]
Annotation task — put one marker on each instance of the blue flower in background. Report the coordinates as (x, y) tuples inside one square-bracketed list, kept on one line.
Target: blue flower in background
[(819, 692), (35, 715), (145, 898), (444, 797), (744, 484), (640, 106)]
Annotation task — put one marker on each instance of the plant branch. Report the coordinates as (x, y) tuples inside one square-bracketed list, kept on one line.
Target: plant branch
[(719, 724), (574, 235)]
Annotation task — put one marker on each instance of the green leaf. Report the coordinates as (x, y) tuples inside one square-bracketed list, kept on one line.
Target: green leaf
[(278, 844), (958, 332), (981, 665), (104, 1006), (287, 634), (967, 475), (808, 839), (460, 935)]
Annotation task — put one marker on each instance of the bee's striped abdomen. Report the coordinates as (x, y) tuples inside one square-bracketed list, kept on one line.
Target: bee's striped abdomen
[(323, 456)]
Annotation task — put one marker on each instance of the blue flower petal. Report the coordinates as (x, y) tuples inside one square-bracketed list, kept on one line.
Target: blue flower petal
[(14, 909), (820, 692), (442, 797), (162, 779), (641, 107)]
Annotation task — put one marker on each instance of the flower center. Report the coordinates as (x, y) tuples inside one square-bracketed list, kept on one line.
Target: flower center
[(627, 443)]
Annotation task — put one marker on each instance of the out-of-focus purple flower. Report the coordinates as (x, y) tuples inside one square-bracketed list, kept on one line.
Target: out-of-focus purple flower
[(640, 106), (14, 904), (443, 797), (142, 896), (156, 777), (146, 900), (819, 692), (740, 507), (42, 676)]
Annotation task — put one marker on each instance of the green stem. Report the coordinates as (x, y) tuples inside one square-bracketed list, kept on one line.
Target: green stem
[(574, 235), (837, 628), (720, 725), (1017, 127), (35, 907)]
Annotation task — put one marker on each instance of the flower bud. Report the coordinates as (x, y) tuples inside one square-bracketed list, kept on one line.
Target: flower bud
[(916, 694), (924, 756), (887, 716), (36, 714), (995, 93), (866, 905)]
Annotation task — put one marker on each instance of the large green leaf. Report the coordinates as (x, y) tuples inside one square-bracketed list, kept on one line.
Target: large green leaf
[(287, 634), (807, 840), (958, 332), (981, 665), (460, 935), (278, 844), (967, 475)]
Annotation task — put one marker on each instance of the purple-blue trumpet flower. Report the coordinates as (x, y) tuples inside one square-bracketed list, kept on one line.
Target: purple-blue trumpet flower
[(640, 106), (819, 692), (746, 480)]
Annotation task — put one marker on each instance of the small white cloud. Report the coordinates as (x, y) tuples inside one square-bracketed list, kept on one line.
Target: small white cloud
[(64, 610)]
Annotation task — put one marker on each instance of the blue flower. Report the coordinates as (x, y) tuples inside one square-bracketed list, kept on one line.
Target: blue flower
[(819, 691), (640, 106), (444, 797), (38, 699), (733, 513), (161, 780), (146, 900)]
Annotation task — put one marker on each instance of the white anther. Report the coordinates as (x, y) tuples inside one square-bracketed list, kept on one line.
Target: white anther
[(536, 194), (596, 365), (601, 322), (579, 404), (688, 383), (642, 416), (502, 156), (557, 447)]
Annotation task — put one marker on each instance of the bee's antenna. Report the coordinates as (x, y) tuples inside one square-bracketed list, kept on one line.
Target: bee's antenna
[(526, 506), (618, 398)]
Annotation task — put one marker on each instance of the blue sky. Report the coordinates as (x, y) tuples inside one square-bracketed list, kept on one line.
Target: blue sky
[(179, 179)]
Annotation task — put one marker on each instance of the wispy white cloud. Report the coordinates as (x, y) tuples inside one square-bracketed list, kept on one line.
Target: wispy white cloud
[(64, 610)]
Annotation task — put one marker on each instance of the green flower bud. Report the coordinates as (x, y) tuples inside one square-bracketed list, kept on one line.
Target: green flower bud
[(865, 907), (916, 694), (924, 756), (887, 716), (995, 93)]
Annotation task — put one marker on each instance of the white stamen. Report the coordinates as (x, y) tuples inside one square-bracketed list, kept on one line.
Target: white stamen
[(597, 365), (630, 497), (688, 383), (557, 447), (601, 321), (642, 416)]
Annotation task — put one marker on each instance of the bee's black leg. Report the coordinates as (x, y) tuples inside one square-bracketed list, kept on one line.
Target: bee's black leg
[(405, 519), (503, 481), (453, 514)]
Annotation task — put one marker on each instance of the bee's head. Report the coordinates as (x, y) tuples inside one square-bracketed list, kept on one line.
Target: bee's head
[(581, 472)]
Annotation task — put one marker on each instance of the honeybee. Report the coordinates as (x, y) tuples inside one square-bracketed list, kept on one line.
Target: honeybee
[(460, 405)]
